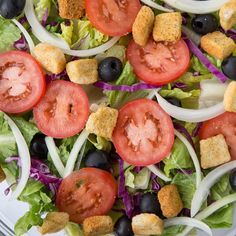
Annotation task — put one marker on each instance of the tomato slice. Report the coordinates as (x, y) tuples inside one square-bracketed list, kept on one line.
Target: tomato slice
[(22, 82), (159, 63), (144, 134), (63, 111), (223, 124), (86, 192), (112, 17)]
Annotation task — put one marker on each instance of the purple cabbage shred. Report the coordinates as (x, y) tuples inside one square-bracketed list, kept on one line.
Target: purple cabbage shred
[(195, 132), (45, 18), (155, 185), (21, 44), (63, 75)]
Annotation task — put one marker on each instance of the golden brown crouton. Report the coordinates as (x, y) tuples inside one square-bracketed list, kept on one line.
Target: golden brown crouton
[(143, 25), (218, 45), (51, 58), (102, 122), (167, 27), (230, 97), (2, 175), (71, 9), (228, 15), (147, 224), (214, 151), (170, 201), (54, 222), (83, 71), (97, 225)]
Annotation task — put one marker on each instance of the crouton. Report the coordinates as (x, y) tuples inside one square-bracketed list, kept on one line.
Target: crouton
[(97, 225), (228, 15), (102, 122), (54, 222), (83, 71), (214, 151), (2, 175), (51, 58), (71, 9), (170, 201), (218, 45), (230, 97), (167, 27), (143, 25), (147, 224)]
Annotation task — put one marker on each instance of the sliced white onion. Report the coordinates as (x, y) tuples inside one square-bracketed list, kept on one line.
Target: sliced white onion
[(39, 31), (54, 155), (189, 222), (74, 152), (197, 7), (190, 115), (152, 4), (46, 37), (26, 34), (211, 209), (24, 155), (193, 156), (158, 173), (203, 190), (92, 51)]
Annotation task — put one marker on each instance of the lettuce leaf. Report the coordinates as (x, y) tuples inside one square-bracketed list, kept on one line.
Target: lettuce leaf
[(179, 93), (41, 6), (186, 187), (189, 79), (73, 229), (40, 202), (9, 33), (67, 32), (178, 159), (116, 99), (100, 143)]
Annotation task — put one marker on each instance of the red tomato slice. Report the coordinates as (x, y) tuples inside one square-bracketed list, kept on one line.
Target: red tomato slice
[(22, 82), (144, 134), (224, 124), (86, 192), (112, 17), (159, 63), (63, 111)]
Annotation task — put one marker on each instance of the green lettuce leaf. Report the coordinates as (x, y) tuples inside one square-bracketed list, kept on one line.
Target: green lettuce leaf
[(9, 33), (179, 93), (41, 6), (186, 186), (73, 229), (189, 79), (67, 32), (197, 66), (222, 218), (40, 202), (173, 230), (178, 159), (129, 177), (116, 99), (100, 143)]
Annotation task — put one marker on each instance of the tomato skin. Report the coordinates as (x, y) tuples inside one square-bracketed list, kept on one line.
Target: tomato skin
[(144, 133), (63, 111), (30, 72), (122, 17), (223, 124), (86, 192), (153, 63)]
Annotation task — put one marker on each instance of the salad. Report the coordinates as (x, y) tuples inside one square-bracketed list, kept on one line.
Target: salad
[(118, 117)]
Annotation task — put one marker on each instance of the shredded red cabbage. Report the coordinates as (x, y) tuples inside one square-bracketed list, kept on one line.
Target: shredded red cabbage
[(123, 192), (205, 61), (40, 172), (63, 75), (185, 132), (185, 212), (155, 185), (45, 18), (21, 44), (197, 129), (125, 88), (179, 85)]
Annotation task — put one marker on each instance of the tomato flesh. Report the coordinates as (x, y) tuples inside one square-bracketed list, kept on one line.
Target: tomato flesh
[(144, 134), (86, 192), (63, 111), (224, 124), (159, 63), (22, 82), (112, 17)]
